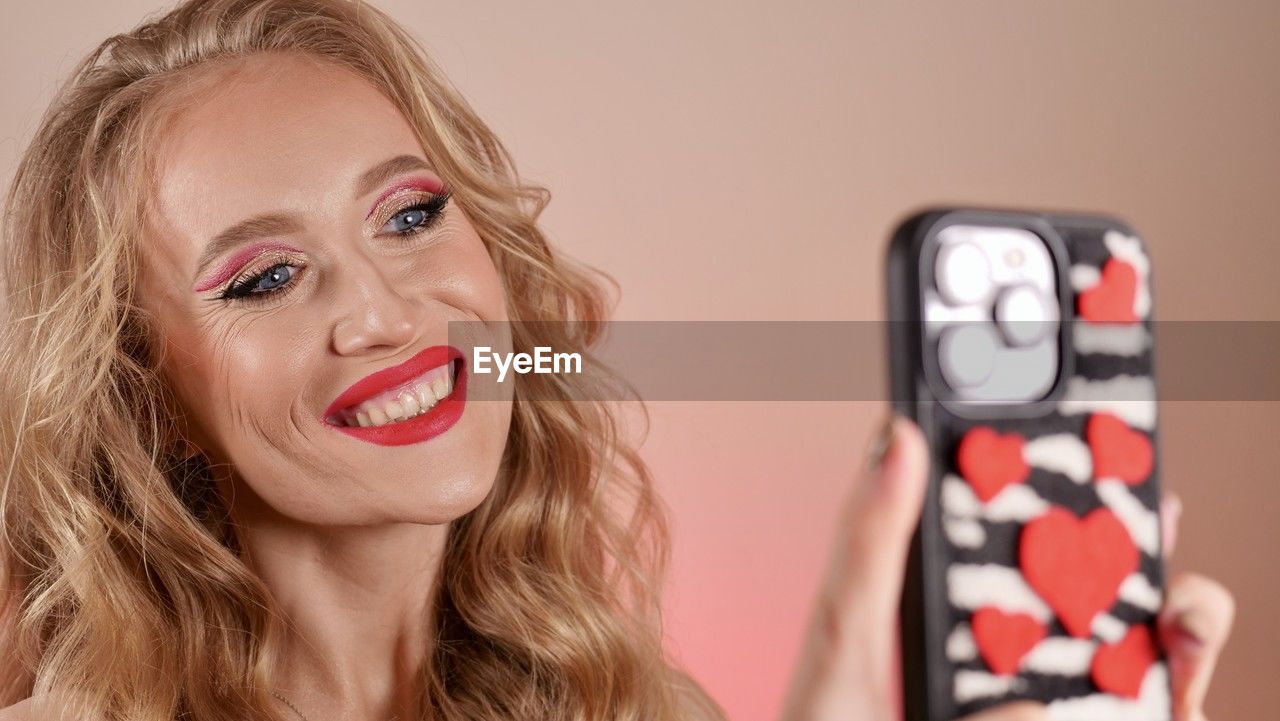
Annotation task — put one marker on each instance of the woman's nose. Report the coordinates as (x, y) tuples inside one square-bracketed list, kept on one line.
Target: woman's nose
[(374, 313)]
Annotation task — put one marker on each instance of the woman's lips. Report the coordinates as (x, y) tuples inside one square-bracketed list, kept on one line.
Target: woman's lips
[(401, 402), (432, 364)]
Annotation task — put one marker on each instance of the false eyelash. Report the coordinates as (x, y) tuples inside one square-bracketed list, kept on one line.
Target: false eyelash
[(241, 291), (432, 208)]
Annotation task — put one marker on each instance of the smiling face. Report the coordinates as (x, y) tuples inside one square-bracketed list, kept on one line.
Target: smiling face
[(302, 265)]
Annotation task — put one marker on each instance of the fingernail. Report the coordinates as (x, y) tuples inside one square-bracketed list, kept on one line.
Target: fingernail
[(1187, 635), (1186, 642), (880, 444)]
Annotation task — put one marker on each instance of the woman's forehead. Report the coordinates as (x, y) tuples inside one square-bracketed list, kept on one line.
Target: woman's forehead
[(288, 134)]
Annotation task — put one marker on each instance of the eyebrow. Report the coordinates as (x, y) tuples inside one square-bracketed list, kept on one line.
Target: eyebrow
[(246, 230), (269, 224), (387, 169)]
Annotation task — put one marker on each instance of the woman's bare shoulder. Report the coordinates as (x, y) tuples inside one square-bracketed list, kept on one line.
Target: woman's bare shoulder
[(33, 710), (21, 711)]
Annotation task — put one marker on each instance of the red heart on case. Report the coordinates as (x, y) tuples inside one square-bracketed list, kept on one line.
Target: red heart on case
[(990, 461), (1119, 668), (1118, 450), (1111, 300), (1004, 639), (1077, 564)]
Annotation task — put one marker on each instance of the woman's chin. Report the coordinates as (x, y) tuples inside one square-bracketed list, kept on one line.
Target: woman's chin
[(439, 480), (441, 501)]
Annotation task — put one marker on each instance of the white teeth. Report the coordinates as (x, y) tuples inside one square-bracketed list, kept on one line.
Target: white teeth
[(416, 398), (410, 403), (394, 410), (426, 398), (441, 387)]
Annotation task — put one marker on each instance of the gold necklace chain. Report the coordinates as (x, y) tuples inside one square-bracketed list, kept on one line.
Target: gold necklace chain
[(293, 708)]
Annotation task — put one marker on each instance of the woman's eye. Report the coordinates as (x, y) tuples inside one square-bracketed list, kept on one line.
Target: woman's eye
[(275, 277), (407, 220), (418, 217), (268, 281)]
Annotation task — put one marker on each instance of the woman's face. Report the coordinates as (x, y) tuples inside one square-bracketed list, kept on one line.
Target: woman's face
[(298, 255)]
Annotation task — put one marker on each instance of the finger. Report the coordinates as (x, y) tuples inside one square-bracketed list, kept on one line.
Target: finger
[(1170, 516), (846, 667), (877, 524), (1194, 625), (1020, 711), (864, 582)]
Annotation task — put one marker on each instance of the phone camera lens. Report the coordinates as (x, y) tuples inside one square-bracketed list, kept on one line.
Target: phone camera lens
[(963, 273), (967, 354), (1023, 315)]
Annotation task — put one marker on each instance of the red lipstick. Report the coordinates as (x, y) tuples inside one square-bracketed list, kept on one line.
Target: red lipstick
[(439, 419)]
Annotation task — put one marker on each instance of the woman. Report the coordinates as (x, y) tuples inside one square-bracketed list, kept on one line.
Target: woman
[(244, 476)]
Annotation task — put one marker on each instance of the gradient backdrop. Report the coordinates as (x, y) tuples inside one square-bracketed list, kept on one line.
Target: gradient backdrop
[(745, 160)]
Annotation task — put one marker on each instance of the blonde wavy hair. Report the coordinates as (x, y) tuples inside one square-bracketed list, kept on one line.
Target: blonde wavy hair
[(123, 585)]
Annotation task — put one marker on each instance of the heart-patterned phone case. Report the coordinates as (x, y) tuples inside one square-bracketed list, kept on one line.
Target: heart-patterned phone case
[(1036, 571)]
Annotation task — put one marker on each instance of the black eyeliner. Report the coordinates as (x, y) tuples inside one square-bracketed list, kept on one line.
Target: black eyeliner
[(432, 208), (242, 291)]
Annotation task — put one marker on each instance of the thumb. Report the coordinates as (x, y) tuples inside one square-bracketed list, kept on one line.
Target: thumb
[(864, 583), (876, 525), (847, 667)]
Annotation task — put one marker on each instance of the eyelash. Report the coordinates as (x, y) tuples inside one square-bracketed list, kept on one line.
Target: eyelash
[(241, 291)]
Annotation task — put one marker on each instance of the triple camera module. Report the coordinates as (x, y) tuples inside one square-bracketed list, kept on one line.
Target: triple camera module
[(992, 314)]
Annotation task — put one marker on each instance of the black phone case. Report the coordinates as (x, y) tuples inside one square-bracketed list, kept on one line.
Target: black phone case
[(1009, 562)]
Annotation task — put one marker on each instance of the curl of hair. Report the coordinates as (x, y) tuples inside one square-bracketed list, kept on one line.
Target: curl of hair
[(124, 590)]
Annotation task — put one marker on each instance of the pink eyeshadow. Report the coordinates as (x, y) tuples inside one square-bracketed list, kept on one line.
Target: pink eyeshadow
[(241, 258), (426, 185)]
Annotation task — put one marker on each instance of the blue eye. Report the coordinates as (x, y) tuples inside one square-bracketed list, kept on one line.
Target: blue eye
[(273, 278), (267, 282), (277, 279), (418, 217), (407, 220)]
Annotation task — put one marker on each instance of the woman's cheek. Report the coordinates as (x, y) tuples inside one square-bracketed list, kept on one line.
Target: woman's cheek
[(248, 367), (470, 280)]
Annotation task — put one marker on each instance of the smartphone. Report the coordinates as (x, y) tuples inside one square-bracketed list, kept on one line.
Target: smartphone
[(1022, 344)]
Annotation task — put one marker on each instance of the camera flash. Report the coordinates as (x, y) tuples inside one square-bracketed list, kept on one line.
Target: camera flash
[(1013, 257)]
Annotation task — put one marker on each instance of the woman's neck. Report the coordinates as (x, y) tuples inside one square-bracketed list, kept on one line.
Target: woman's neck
[(357, 602)]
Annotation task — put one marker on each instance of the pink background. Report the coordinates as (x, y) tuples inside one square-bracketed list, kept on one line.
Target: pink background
[(745, 160)]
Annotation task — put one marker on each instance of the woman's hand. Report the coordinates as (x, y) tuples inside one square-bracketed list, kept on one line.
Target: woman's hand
[(849, 667)]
